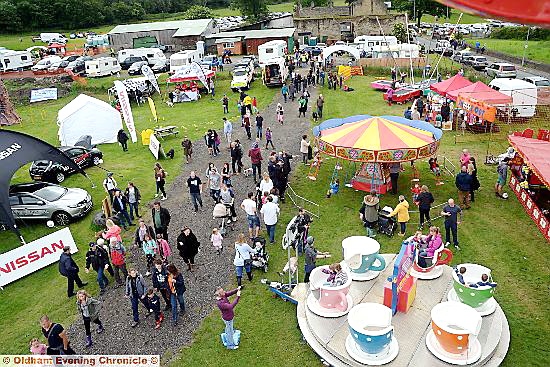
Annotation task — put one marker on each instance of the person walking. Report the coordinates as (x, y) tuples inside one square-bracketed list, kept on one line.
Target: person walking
[(161, 219), (320, 104), (227, 310), (216, 238), (194, 184), (187, 146), (214, 182), (176, 286), (280, 111), (251, 210), (369, 213), (141, 231), (227, 198), (153, 301), (225, 104), (451, 212), (227, 129), (302, 106), (149, 247), (159, 276), (269, 138), (259, 125), (472, 171), (188, 247), (110, 185), (255, 155), (402, 211), (98, 258), (133, 197), (163, 248), (112, 230), (122, 139), (304, 148), (311, 256), (425, 200), (270, 211), (389, 95), (120, 206), (69, 269), (136, 291), (88, 308), (395, 168), (236, 157), (463, 183), (284, 92), (118, 259), (246, 125), (160, 179), (58, 341), (292, 92), (502, 171), (243, 259)]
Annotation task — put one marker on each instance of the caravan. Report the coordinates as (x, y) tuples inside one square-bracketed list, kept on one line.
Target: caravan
[(153, 55), (102, 66), (187, 57), (524, 95), (15, 60), (402, 50), (271, 50), (274, 72), (372, 41)]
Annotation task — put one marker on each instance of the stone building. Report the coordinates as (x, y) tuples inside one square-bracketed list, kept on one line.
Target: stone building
[(335, 23)]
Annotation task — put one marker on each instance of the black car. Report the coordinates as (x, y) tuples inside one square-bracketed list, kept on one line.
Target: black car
[(56, 172), (125, 65), (315, 51)]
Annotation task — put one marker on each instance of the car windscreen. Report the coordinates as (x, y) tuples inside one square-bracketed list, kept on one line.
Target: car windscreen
[(542, 83), (239, 72), (481, 59), (51, 193), (508, 68)]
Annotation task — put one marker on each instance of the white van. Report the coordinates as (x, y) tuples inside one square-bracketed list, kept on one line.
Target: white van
[(371, 41), (153, 55), (45, 63), (274, 72), (524, 95), (271, 50), (15, 60), (47, 37), (186, 57), (102, 66)]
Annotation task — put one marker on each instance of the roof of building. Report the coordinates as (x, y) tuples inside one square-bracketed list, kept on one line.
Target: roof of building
[(229, 39), (183, 28), (259, 33)]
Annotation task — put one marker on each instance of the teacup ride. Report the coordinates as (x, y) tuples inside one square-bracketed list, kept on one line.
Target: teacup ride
[(361, 254), (433, 265), (453, 338), (371, 340), (481, 298), (325, 299)]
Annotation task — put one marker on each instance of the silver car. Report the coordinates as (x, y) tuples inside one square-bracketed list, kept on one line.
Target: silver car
[(42, 200)]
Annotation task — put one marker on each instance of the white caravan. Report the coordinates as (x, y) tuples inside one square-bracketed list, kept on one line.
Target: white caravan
[(102, 66), (187, 57), (274, 72), (372, 41), (271, 50), (15, 60), (153, 55), (524, 95)]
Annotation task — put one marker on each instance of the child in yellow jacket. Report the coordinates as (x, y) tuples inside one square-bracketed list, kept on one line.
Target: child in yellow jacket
[(402, 211)]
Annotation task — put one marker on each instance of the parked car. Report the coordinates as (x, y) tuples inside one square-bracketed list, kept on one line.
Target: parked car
[(56, 172), (502, 70), (45, 63), (539, 81), (477, 62), (161, 66), (58, 65), (135, 69), (253, 60), (71, 58), (460, 56), (242, 77), (78, 66), (127, 62), (315, 51), (42, 200)]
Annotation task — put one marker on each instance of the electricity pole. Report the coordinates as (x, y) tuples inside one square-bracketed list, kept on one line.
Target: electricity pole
[(525, 46)]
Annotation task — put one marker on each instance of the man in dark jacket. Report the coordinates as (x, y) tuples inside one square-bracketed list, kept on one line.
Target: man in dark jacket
[(445, 111), (161, 219), (98, 258), (160, 274), (463, 183), (255, 155), (120, 205), (136, 291), (69, 269), (236, 156)]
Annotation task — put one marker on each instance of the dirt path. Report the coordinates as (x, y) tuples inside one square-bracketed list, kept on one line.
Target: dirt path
[(213, 270)]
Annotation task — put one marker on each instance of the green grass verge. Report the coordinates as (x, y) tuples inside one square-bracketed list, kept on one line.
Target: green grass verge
[(22, 302), (466, 18), (536, 50), (495, 233)]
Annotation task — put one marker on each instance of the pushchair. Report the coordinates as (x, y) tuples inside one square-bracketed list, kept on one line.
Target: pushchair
[(261, 259), (386, 224), (223, 212)]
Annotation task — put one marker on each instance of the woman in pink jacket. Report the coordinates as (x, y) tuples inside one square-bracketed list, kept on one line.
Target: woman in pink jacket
[(163, 249), (434, 242), (112, 231)]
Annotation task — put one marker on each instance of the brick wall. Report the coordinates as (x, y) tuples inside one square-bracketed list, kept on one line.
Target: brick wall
[(237, 50)]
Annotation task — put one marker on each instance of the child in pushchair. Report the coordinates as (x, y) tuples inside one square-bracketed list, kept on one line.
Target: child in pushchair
[(223, 212), (261, 259), (386, 224)]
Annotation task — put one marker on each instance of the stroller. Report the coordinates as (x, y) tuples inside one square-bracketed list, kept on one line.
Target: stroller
[(223, 212), (261, 259), (386, 224)]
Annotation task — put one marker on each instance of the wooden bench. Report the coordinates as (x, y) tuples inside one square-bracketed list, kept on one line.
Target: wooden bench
[(163, 132)]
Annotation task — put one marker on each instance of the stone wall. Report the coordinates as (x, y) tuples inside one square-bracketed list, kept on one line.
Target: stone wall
[(370, 7), (322, 11)]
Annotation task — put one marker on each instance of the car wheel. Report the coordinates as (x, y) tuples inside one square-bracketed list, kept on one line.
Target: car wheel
[(59, 177), (97, 161), (61, 218)]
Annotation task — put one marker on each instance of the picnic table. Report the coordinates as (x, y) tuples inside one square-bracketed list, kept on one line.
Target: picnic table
[(162, 132)]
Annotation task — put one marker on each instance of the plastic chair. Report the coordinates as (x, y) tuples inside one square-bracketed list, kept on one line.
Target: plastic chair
[(518, 133), (543, 135), (528, 133)]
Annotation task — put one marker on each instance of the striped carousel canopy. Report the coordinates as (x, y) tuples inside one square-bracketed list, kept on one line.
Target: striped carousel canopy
[(378, 139)]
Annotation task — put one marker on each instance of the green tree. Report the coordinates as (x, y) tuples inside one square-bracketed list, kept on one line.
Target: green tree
[(124, 12), (198, 12), (421, 7), (400, 32), (307, 3), (251, 8), (9, 19)]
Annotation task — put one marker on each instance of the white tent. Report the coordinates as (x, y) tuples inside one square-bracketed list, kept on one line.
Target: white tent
[(86, 115)]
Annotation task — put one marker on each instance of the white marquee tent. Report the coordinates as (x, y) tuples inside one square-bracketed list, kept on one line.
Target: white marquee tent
[(86, 115)]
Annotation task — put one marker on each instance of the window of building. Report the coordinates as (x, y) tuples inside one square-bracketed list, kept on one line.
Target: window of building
[(228, 44)]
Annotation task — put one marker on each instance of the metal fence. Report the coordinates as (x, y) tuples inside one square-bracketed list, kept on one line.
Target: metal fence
[(300, 202)]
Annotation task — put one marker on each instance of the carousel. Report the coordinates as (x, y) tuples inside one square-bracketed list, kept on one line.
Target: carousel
[(375, 143)]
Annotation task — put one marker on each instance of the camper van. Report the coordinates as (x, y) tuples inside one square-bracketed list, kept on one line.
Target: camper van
[(271, 50), (48, 37), (15, 60), (524, 95), (153, 55), (102, 66), (187, 57), (371, 41), (274, 72), (402, 50)]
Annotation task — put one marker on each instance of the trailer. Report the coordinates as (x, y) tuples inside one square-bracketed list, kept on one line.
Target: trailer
[(15, 60), (102, 66), (187, 57), (153, 55)]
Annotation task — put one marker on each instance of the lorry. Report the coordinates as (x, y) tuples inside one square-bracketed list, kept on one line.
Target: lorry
[(102, 66), (272, 50), (15, 60), (524, 96), (274, 72), (187, 57), (153, 55)]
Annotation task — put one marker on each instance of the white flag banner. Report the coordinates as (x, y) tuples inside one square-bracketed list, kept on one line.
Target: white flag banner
[(148, 73), (126, 109), (192, 71), (33, 256), (154, 145)]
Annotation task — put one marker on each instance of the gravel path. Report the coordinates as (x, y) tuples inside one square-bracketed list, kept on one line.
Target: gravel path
[(213, 270)]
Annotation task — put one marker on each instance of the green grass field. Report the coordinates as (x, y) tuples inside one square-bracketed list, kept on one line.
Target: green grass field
[(495, 233), (47, 288), (536, 50), (466, 18)]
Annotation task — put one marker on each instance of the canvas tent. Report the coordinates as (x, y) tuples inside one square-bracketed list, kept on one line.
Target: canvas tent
[(444, 87), (86, 115), (481, 92)]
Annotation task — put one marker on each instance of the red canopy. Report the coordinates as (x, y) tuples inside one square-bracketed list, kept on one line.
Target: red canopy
[(456, 82), (535, 153), (481, 92)]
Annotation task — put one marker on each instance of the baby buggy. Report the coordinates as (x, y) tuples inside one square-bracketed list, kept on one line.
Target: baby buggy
[(261, 259), (223, 212), (386, 224)]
